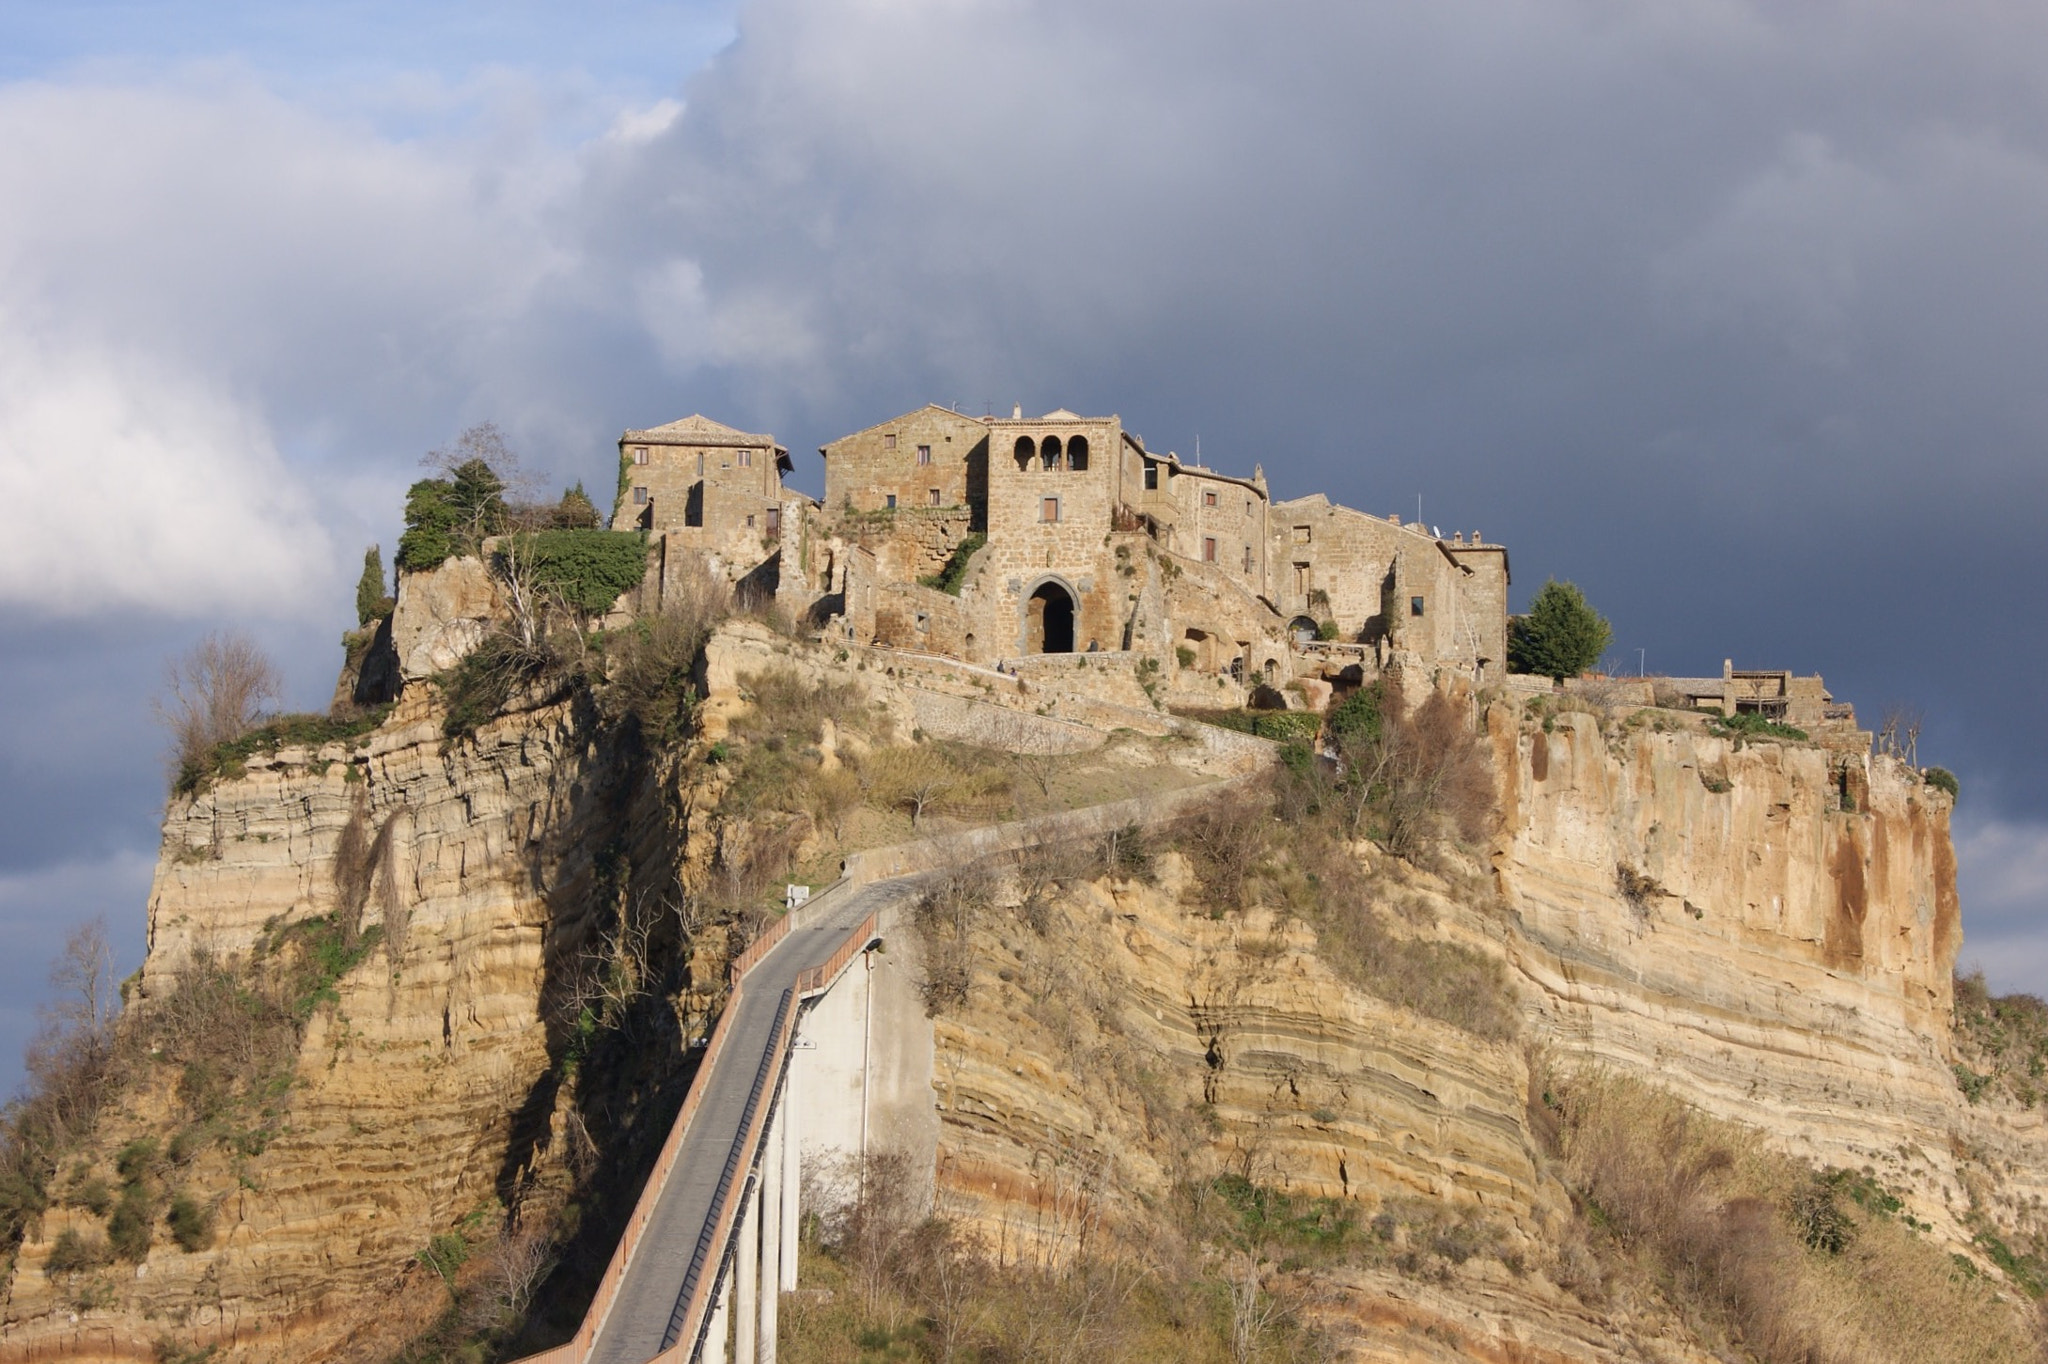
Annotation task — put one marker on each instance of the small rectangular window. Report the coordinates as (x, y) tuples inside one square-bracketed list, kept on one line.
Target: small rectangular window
[(700, 464), (1301, 534), (924, 454), (746, 459), (1151, 478), (932, 495), (889, 441), (750, 520), (1247, 558), (1415, 606), (1049, 509), (892, 502), (1208, 497), (774, 520), (639, 497), (1208, 549), (639, 454)]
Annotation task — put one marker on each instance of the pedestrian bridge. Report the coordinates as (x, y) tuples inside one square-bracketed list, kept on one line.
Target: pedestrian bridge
[(819, 1039)]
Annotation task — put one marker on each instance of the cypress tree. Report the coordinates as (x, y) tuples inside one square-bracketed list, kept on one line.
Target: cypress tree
[(370, 587)]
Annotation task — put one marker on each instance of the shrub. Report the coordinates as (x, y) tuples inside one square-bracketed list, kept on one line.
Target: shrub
[(1941, 779), (1560, 637), (587, 569), (95, 1195), (74, 1253), (128, 1230), (1184, 656), (1751, 725), (191, 1223), (1326, 630), (949, 578)]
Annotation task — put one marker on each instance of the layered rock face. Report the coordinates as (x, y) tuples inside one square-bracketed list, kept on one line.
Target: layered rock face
[(1723, 916), (424, 1091)]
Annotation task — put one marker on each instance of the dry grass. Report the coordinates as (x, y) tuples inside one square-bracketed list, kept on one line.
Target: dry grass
[(1759, 1252)]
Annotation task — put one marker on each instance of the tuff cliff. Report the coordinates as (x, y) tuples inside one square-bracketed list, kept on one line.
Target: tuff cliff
[(1768, 927)]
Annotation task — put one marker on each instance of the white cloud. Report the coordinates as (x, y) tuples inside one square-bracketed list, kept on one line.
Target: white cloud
[(201, 282), (125, 485)]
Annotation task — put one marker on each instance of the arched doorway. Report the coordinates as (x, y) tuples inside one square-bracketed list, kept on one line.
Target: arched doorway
[(1049, 621), (1304, 629)]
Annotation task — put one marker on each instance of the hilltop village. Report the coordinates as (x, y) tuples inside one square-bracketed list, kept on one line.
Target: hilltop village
[(1010, 543), (1015, 540)]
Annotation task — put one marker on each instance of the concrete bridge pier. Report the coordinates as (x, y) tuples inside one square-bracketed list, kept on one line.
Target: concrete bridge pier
[(773, 1195), (746, 1336)]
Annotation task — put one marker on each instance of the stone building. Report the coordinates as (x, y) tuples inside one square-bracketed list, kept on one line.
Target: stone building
[(698, 486), (1382, 583)]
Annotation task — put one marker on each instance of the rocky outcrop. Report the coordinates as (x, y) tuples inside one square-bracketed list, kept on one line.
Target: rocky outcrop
[(442, 615)]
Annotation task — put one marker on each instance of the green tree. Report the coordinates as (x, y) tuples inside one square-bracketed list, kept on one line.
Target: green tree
[(575, 511), (1560, 637), (448, 516), (370, 600)]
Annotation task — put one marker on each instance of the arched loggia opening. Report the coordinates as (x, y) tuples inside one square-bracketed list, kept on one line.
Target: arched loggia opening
[(1027, 450), (1077, 454), (1049, 453), (1049, 621)]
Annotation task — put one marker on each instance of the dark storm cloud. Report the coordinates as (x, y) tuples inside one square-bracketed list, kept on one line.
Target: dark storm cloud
[(1729, 312)]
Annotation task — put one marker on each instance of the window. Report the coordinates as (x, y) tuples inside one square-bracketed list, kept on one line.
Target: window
[(1301, 580), (924, 454), (700, 464), (639, 454), (1151, 478), (775, 520), (891, 502), (931, 497), (750, 520), (1415, 606), (1208, 549), (639, 497), (1208, 497), (889, 441), (1247, 558), (746, 459), (1301, 534), (1247, 506), (1049, 509)]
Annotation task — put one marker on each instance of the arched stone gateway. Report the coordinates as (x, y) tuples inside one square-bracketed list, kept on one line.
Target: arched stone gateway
[(1049, 620)]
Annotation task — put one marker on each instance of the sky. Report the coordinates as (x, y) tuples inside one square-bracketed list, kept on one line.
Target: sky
[(1731, 313)]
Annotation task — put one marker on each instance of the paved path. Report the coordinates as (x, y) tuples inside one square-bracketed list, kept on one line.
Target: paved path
[(653, 1286)]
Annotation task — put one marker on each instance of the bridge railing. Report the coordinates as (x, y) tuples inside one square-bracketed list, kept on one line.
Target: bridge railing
[(576, 1350)]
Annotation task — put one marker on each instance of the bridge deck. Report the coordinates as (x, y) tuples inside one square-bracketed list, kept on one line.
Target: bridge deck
[(632, 1333)]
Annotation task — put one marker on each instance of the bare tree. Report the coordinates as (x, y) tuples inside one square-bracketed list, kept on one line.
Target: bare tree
[(1898, 734), (911, 779), (1253, 1311), (87, 996), (484, 441), (214, 693), (1036, 749)]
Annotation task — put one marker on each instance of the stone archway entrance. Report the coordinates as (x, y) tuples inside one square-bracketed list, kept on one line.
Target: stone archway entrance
[(1049, 621)]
